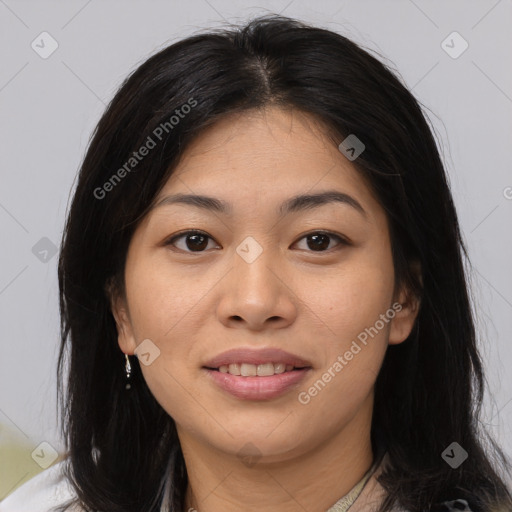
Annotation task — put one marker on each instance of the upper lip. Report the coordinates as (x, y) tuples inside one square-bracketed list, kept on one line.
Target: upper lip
[(256, 356)]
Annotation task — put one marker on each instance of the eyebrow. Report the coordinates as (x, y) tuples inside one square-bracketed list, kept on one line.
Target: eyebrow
[(294, 204)]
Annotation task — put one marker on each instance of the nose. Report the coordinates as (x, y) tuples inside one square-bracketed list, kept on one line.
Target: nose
[(256, 295)]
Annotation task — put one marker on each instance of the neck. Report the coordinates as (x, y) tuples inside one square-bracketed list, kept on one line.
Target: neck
[(313, 478)]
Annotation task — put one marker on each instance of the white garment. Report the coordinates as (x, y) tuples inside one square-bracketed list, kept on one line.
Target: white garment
[(41, 493)]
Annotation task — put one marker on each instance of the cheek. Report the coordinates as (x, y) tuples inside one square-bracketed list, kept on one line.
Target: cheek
[(161, 298), (164, 308), (352, 299), (353, 336)]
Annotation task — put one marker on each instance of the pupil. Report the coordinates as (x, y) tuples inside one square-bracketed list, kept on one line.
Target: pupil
[(196, 245), (321, 241)]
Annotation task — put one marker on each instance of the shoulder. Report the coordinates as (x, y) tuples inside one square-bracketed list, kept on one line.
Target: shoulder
[(41, 493), (373, 494)]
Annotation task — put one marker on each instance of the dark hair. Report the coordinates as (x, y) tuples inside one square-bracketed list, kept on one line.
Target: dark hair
[(429, 391)]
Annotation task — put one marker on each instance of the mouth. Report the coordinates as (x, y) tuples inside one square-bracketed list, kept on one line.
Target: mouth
[(256, 370), (245, 384), (266, 373)]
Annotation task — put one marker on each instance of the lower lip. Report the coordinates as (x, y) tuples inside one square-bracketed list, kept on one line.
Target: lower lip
[(257, 388)]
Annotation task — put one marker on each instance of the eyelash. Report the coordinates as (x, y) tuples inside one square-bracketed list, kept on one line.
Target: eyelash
[(342, 241)]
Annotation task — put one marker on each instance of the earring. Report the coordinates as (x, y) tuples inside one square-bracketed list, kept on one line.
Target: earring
[(128, 370)]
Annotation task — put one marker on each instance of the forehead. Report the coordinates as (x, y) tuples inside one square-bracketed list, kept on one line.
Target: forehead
[(261, 139), (264, 157)]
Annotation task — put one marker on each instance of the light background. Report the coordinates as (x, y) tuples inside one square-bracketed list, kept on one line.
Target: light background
[(49, 108)]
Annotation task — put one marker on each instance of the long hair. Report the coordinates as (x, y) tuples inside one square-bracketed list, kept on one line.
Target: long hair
[(429, 390)]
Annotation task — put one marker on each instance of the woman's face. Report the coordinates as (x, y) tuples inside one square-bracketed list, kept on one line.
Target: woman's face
[(253, 279)]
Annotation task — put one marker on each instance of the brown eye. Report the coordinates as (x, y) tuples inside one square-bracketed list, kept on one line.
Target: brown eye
[(195, 241), (319, 241)]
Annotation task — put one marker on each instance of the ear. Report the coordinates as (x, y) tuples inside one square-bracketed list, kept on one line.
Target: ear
[(406, 313), (119, 308)]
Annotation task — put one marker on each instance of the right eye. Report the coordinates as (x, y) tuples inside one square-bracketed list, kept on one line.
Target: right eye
[(195, 241)]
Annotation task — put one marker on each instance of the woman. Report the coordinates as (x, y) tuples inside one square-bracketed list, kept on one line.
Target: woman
[(263, 220)]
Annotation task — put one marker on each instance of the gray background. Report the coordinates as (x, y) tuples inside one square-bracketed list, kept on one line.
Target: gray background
[(49, 108)]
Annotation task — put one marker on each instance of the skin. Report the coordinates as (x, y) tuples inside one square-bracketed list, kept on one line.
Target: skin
[(194, 305)]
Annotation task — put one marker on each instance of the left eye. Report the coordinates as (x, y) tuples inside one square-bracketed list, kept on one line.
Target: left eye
[(197, 241), (319, 241)]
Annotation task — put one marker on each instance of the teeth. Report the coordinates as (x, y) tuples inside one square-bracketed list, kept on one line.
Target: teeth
[(248, 370), (234, 369), (264, 370), (252, 370)]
